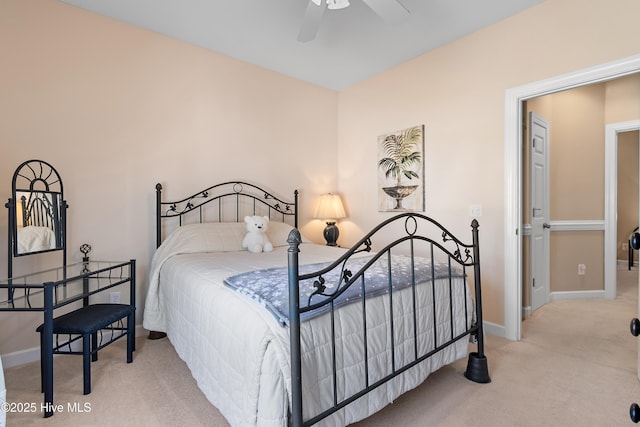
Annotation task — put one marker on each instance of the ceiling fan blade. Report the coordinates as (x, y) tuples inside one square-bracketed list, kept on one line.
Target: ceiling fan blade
[(311, 21), (389, 10)]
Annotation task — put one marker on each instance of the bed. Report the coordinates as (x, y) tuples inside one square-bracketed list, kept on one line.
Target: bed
[(309, 334)]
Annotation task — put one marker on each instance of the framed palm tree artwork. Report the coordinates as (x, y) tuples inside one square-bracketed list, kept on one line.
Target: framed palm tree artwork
[(401, 171)]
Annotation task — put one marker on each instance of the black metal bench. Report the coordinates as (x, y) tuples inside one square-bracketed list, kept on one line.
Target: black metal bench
[(85, 323)]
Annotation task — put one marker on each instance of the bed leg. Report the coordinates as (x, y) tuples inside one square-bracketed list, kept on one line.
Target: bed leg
[(477, 368), (155, 335)]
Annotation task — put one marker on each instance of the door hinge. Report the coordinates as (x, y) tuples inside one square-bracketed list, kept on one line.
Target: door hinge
[(534, 283)]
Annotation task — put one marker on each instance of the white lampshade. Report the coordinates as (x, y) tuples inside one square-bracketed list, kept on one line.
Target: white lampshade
[(330, 207), (334, 4)]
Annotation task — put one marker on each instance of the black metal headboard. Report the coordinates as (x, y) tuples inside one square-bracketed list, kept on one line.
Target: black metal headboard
[(227, 202)]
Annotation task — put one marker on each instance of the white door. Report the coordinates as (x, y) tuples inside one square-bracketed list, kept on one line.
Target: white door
[(539, 148)]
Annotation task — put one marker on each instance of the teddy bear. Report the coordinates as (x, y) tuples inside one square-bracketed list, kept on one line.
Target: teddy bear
[(256, 239)]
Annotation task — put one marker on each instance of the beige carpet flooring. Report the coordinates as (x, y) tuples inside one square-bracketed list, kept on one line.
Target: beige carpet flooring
[(575, 366)]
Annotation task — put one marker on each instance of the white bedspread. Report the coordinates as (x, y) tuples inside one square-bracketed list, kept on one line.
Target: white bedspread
[(239, 354)]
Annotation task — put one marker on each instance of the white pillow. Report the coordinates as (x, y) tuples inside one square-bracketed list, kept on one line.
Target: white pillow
[(278, 233), (208, 237), (222, 236)]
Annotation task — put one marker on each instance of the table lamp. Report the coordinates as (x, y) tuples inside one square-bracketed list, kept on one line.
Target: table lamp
[(330, 210)]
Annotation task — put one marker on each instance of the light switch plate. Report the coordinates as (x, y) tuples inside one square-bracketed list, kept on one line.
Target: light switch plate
[(475, 211)]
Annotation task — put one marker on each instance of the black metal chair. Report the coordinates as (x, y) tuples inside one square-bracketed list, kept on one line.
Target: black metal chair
[(85, 323)]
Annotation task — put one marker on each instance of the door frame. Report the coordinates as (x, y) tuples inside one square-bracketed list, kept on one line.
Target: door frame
[(513, 231), (611, 202)]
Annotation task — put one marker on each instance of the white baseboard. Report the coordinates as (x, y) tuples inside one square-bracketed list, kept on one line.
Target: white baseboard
[(624, 264), (22, 357), (491, 328), (565, 296), (573, 295)]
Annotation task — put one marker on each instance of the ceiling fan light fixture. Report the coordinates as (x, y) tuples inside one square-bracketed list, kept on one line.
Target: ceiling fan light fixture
[(333, 4), (337, 4)]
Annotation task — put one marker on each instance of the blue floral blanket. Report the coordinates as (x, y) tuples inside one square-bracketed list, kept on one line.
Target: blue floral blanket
[(270, 287)]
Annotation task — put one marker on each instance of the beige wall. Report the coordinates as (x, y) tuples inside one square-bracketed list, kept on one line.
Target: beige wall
[(117, 109), (576, 174), (458, 92), (623, 99), (577, 154), (570, 248)]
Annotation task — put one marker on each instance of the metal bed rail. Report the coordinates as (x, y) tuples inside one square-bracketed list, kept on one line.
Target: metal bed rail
[(447, 247)]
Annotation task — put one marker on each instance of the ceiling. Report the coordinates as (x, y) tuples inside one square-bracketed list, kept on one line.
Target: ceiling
[(351, 44)]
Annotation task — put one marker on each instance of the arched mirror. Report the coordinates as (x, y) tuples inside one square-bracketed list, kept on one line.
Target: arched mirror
[(37, 210)]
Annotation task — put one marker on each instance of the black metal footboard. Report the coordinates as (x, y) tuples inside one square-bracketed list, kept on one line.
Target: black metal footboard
[(421, 283)]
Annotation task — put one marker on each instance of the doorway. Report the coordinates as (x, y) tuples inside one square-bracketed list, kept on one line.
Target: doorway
[(573, 227), (514, 177), (613, 135)]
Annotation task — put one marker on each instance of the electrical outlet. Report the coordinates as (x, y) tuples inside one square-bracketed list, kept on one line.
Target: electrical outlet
[(582, 269), (114, 298), (475, 211)]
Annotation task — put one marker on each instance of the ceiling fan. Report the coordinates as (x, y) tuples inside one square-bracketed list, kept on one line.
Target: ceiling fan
[(389, 10)]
